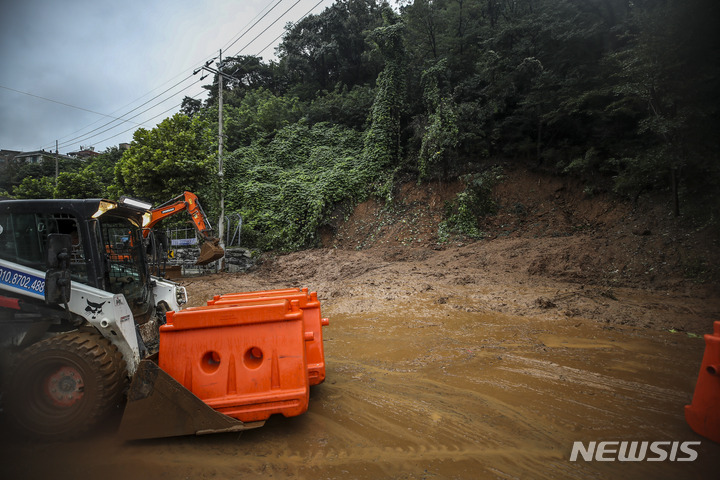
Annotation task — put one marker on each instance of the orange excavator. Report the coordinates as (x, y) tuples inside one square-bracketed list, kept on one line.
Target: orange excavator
[(210, 250)]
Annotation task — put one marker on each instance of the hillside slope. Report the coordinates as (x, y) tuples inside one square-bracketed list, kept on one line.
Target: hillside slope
[(546, 226)]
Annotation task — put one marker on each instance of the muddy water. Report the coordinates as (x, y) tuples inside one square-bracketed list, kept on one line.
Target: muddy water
[(420, 390)]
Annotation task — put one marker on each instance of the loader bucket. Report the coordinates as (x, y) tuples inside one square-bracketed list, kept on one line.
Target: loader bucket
[(210, 251), (158, 406)]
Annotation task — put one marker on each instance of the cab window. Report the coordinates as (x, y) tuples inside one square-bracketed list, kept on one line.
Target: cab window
[(23, 240)]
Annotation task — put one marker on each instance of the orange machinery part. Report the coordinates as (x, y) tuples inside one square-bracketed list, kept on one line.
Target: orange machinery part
[(187, 201), (245, 361), (209, 249), (312, 317), (703, 415)]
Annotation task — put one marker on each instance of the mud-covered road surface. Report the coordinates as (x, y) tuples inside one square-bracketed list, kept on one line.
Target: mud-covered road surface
[(443, 364)]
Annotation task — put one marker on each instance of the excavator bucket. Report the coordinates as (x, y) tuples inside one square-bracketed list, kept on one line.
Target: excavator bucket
[(210, 251), (158, 406)]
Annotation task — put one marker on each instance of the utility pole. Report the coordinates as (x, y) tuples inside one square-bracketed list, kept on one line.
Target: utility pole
[(57, 167), (221, 175)]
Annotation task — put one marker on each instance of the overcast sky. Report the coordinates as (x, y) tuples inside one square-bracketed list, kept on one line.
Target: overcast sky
[(93, 60)]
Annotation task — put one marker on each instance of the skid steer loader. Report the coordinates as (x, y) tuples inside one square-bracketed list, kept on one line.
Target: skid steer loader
[(84, 328)]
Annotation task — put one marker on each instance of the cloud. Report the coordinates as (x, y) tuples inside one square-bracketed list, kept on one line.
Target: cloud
[(109, 57)]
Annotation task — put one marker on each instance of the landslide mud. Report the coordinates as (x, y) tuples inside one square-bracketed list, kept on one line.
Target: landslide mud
[(439, 366)]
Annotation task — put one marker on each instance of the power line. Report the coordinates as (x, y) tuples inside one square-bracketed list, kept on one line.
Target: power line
[(293, 24), (88, 136), (151, 118), (266, 46), (273, 23), (57, 101), (70, 141), (67, 142), (276, 38), (120, 109), (251, 27)]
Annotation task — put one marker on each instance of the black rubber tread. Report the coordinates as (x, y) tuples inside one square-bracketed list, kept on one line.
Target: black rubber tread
[(102, 367)]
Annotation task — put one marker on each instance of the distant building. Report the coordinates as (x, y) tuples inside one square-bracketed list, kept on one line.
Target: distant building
[(32, 157), (28, 157), (7, 155), (84, 153)]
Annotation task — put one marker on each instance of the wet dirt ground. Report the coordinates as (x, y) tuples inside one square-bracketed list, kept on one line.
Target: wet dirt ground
[(439, 366)]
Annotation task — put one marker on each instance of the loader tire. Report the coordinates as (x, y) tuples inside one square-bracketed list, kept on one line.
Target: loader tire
[(61, 387)]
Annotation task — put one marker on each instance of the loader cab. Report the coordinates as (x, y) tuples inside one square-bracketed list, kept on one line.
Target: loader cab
[(107, 245), (125, 269), (23, 239)]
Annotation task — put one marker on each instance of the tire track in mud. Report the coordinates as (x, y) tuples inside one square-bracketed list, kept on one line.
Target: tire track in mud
[(393, 460), (408, 417), (426, 380), (441, 410), (551, 371), (360, 461)]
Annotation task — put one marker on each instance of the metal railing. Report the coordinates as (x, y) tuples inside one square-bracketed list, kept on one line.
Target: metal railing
[(234, 228)]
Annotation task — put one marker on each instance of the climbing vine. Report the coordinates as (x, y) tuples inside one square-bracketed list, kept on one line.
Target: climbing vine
[(462, 215), (381, 143), (441, 135), (287, 189)]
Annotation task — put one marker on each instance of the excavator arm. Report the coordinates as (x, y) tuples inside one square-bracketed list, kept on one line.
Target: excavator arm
[(188, 201)]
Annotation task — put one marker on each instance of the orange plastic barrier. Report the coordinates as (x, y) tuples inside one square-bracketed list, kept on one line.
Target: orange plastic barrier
[(314, 322), (703, 415), (260, 293), (246, 361)]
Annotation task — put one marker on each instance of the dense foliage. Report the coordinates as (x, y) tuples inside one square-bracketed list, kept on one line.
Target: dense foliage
[(288, 188), (620, 93)]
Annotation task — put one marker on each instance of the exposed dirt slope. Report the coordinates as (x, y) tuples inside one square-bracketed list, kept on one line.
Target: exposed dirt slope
[(574, 236)]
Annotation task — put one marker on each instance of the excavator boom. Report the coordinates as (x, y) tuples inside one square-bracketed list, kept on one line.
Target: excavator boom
[(210, 250)]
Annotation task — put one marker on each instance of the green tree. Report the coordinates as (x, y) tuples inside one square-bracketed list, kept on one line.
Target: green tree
[(259, 115), (103, 168), (426, 28), (666, 78), (40, 187), (242, 74), (323, 50), (286, 189), (441, 132), (85, 184), (345, 106), (167, 160), (463, 214), (190, 106)]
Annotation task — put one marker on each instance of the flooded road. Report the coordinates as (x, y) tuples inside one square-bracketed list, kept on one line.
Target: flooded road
[(436, 385)]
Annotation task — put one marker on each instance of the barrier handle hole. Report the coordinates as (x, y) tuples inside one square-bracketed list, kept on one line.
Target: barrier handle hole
[(210, 362), (253, 357)]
